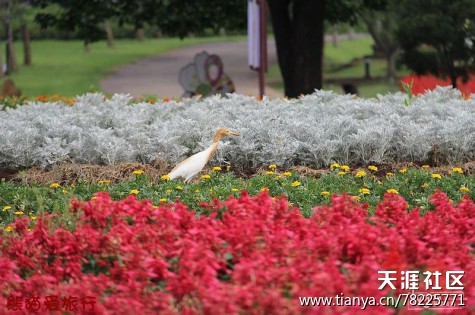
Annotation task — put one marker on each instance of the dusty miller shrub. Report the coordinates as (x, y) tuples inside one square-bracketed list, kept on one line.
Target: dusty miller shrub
[(314, 130)]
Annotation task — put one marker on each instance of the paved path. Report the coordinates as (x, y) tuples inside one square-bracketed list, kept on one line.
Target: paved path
[(158, 75)]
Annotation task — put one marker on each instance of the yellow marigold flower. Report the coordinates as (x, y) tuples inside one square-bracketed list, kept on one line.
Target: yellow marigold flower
[(365, 191), (104, 182), (163, 200), (169, 191), (206, 176), (425, 166), (360, 174), (55, 185), (72, 185), (341, 173), (234, 189), (464, 189), (33, 218), (389, 174), (94, 197), (264, 189), (137, 172), (179, 187), (334, 165), (165, 177), (296, 184), (435, 175), (228, 167), (272, 166), (372, 168), (345, 168), (134, 192), (216, 168), (9, 229), (325, 193), (392, 191), (287, 174), (403, 170), (64, 191), (197, 191), (19, 213), (457, 170), (269, 173), (6, 208), (356, 197), (425, 185)]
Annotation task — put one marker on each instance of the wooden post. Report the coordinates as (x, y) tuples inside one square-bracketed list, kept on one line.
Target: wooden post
[(262, 46)]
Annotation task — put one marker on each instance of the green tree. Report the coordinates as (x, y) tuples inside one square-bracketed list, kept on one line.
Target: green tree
[(382, 25), (438, 37), (85, 17), (299, 35)]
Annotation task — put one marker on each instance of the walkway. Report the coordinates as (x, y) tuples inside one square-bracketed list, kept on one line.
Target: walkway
[(158, 75)]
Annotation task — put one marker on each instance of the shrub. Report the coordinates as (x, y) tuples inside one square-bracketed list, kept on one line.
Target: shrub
[(314, 130), (251, 255)]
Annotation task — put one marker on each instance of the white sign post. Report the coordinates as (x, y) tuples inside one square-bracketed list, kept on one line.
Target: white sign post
[(257, 39)]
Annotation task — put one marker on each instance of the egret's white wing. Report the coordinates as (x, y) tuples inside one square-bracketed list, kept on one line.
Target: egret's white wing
[(191, 166)]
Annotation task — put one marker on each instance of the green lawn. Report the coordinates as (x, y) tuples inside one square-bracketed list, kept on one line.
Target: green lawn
[(65, 68)]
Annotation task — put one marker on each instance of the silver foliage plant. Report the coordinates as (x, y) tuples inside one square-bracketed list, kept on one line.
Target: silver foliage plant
[(314, 130)]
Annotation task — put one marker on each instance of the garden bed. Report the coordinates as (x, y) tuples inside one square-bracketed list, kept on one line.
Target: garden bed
[(315, 130), (87, 213)]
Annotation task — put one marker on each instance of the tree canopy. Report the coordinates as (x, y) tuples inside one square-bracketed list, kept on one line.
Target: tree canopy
[(174, 17), (438, 37)]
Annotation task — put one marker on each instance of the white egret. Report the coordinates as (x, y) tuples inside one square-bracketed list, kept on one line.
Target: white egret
[(195, 163)]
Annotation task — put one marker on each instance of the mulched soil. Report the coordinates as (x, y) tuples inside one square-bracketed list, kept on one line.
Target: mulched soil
[(70, 173)]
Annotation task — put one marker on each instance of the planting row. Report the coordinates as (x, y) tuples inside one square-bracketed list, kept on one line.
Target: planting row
[(315, 130), (414, 184), (251, 255)]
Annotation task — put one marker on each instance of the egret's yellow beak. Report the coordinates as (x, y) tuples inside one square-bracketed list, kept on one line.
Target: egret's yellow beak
[(233, 133)]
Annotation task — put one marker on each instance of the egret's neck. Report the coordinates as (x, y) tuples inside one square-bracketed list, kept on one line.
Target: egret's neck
[(212, 149), (217, 137)]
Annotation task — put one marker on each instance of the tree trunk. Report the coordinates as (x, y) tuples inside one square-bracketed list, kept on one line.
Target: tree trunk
[(26, 45), (453, 79), (334, 36), (391, 64), (299, 37), (11, 57), (110, 34), (1, 60), (141, 34)]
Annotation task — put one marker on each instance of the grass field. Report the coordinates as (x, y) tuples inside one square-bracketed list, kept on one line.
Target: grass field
[(65, 68)]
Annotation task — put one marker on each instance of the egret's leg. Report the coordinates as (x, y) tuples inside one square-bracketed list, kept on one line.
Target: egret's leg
[(187, 180)]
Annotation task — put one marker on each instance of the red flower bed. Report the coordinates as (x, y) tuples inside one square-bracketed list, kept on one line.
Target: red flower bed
[(428, 82), (251, 255)]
